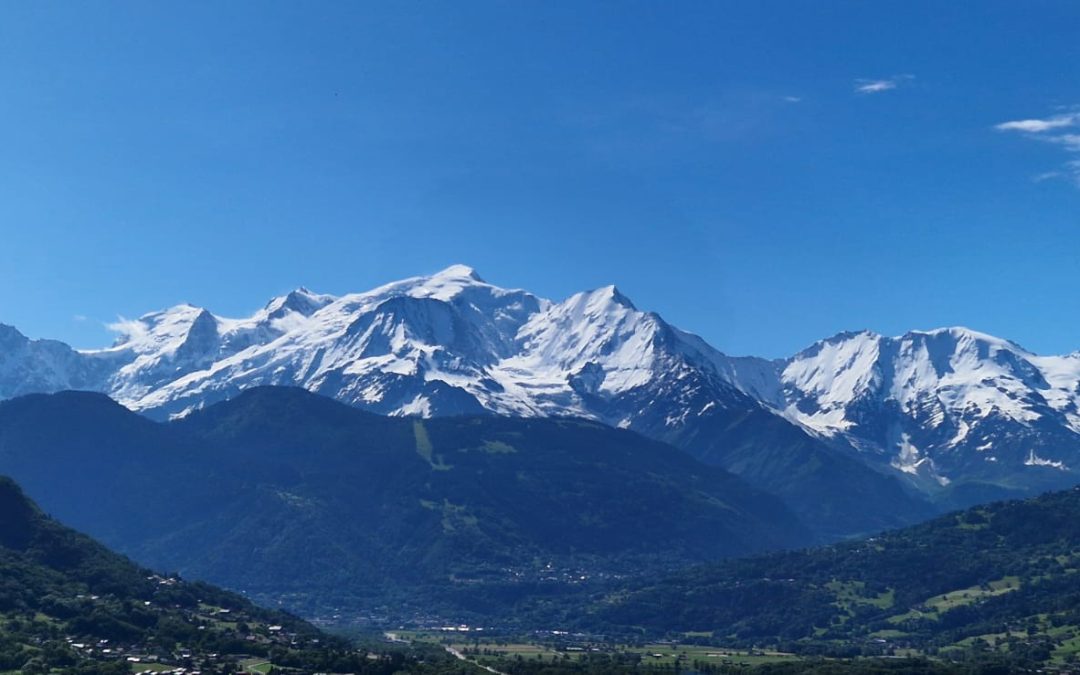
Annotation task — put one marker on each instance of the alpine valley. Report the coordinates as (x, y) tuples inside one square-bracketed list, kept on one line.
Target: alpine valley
[(303, 501), (857, 433), (442, 449)]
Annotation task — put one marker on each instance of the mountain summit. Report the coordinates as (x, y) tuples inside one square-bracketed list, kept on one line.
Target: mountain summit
[(941, 405), (440, 344)]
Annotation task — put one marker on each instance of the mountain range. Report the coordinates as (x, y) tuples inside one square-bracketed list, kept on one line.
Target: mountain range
[(857, 433)]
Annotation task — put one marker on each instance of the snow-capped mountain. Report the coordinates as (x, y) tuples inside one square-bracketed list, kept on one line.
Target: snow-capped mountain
[(32, 366), (944, 404), (443, 344), (831, 428)]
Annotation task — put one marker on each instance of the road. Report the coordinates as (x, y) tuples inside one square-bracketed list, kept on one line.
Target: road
[(457, 654), (393, 637)]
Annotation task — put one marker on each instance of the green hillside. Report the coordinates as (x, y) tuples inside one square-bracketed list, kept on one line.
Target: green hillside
[(335, 512), (1002, 578), (68, 604)]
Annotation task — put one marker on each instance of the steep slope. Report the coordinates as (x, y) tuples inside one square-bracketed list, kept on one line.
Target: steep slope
[(106, 471), (45, 366), (831, 489), (70, 604), (243, 492), (944, 407), (1001, 577)]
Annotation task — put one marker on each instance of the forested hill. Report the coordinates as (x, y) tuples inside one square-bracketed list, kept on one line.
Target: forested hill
[(1004, 576), (295, 497), (69, 604)]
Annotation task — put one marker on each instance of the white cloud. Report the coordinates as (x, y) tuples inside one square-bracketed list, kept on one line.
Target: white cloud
[(1045, 176), (1062, 130), (1071, 141), (863, 86), (128, 328), (875, 86), (793, 99), (1037, 126), (1074, 167)]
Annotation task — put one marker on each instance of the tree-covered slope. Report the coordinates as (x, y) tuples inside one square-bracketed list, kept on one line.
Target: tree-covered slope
[(68, 604), (295, 497), (1003, 576), (836, 494)]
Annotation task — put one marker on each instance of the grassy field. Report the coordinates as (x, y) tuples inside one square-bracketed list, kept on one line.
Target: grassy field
[(934, 607), (665, 654), (851, 594), (653, 653), (657, 654), (251, 666), (943, 603), (1068, 651), (425, 449), (150, 667)]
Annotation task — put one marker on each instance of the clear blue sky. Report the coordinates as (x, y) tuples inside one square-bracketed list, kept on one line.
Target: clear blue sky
[(716, 160)]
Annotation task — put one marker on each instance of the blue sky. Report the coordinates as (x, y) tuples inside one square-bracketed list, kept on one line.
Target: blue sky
[(762, 173)]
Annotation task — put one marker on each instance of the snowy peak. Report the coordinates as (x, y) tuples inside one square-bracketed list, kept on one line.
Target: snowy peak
[(446, 342), (838, 339), (603, 307), (838, 368), (962, 334), (35, 366), (851, 365), (301, 301), (599, 330), (611, 295), (164, 331), (459, 272), (202, 336), (934, 399), (444, 285)]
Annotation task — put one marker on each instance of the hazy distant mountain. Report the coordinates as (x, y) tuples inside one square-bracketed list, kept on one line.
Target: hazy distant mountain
[(34, 366)]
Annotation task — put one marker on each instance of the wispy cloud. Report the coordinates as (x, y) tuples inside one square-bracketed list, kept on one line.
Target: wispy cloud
[(1045, 176), (793, 99), (1062, 129), (1071, 141), (864, 86), (128, 329), (874, 86), (1036, 126)]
